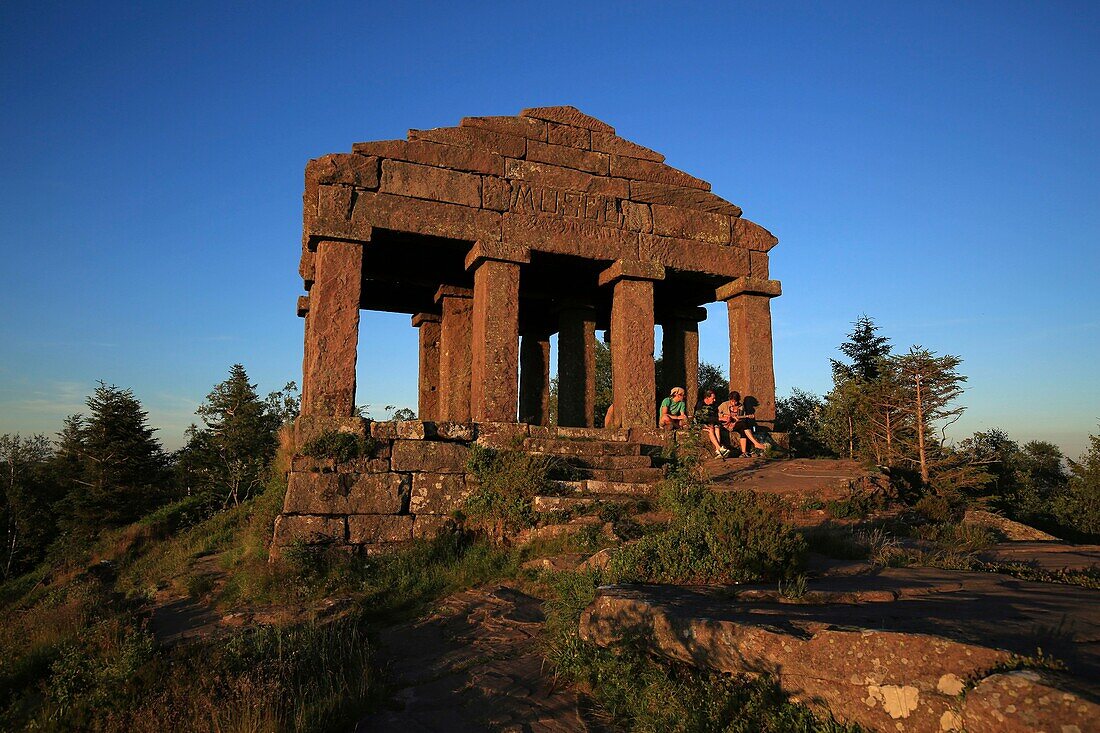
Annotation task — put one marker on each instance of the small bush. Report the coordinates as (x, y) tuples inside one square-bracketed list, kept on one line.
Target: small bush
[(945, 507), (341, 446), (507, 482)]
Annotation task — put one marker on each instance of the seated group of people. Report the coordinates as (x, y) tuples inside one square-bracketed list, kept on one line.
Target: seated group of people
[(712, 419)]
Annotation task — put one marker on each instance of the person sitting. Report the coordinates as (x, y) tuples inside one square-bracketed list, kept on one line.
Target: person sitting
[(674, 410), (706, 417), (731, 415)]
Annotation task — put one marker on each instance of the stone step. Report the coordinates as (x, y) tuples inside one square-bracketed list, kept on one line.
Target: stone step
[(599, 434), (597, 488), (609, 462), (633, 475), (568, 503), (559, 447)]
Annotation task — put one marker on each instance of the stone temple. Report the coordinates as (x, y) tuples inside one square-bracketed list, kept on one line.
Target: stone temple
[(492, 236)]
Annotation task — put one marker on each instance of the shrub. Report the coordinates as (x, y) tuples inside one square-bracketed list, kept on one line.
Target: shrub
[(341, 446), (507, 482), (730, 537)]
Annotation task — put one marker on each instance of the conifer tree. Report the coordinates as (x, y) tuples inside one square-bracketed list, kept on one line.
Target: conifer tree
[(866, 349)]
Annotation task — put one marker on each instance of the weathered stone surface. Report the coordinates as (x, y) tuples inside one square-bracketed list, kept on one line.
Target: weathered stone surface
[(631, 269), (534, 379), (751, 370), (519, 126), (496, 193), (751, 235), (576, 237), (576, 137), (637, 217), (310, 427), (674, 221), (495, 342), (423, 217), (568, 157), (557, 176), (438, 493), (1014, 531), (365, 465), (501, 251), (568, 115), (442, 156), (308, 529), (428, 325), (426, 526), (577, 368), (758, 264), (332, 330), (1027, 701), (379, 528), (429, 456), (383, 430), (646, 170), (428, 182), (475, 137), (632, 374), (682, 196), (454, 353), (613, 144), (337, 493), (749, 286), (500, 434), (596, 448), (342, 168), (693, 256)]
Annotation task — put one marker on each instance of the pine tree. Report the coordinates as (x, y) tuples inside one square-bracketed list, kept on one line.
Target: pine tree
[(865, 348), (117, 468), (930, 385)]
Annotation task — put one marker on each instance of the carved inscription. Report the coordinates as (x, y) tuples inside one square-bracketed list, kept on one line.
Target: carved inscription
[(544, 201)]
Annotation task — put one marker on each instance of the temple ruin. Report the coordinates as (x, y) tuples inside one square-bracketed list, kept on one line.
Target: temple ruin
[(493, 236)]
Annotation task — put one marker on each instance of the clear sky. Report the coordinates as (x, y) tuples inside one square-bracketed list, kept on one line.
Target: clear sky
[(934, 165)]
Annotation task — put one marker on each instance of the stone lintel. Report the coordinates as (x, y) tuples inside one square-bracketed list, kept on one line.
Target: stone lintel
[(694, 314), (452, 291), (500, 251), (632, 270), (303, 305), (749, 286), (419, 319), (362, 236)]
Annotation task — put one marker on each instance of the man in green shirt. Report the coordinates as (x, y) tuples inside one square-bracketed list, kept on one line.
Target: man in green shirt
[(674, 410)]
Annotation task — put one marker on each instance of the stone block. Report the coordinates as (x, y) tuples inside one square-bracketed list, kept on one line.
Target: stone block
[(309, 427), (460, 431), (344, 169), (442, 156), (335, 493), (694, 256), (576, 237), (475, 137), (750, 235), (586, 434), (438, 493), (632, 269), (527, 127), (428, 182), (331, 217), (307, 464), (568, 157), (568, 115), (500, 251), (574, 137), (637, 217), (615, 145), (674, 221), (548, 174), (496, 193), (749, 286), (500, 434), (647, 170), (427, 526), (758, 264), (386, 430), (310, 529), (1026, 701), (365, 465), (368, 529), (682, 196), (413, 429), (542, 432), (418, 216), (429, 456), (302, 306)]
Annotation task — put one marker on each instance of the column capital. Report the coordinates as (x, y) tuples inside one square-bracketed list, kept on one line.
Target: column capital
[(500, 251), (671, 315), (362, 236), (749, 286), (419, 319), (632, 270), (303, 305), (452, 291)]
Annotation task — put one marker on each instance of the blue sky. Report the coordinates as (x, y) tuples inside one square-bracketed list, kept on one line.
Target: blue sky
[(934, 165)]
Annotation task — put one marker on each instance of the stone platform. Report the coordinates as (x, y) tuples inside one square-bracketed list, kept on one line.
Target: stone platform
[(892, 649)]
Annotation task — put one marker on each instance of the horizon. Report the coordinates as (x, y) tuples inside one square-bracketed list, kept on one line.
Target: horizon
[(933, 168)]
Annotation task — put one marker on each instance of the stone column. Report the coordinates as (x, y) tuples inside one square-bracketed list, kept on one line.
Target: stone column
[(577, 367), (632, 374), (748, 300), (429, 326), (332, 330), (534, 379), (454, 352), (680, 352), (494, 352)]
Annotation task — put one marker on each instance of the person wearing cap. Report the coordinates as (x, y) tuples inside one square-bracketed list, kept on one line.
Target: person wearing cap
[(674, 410)]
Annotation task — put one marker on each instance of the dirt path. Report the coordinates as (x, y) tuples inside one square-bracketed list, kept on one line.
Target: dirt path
[(473, 665)]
